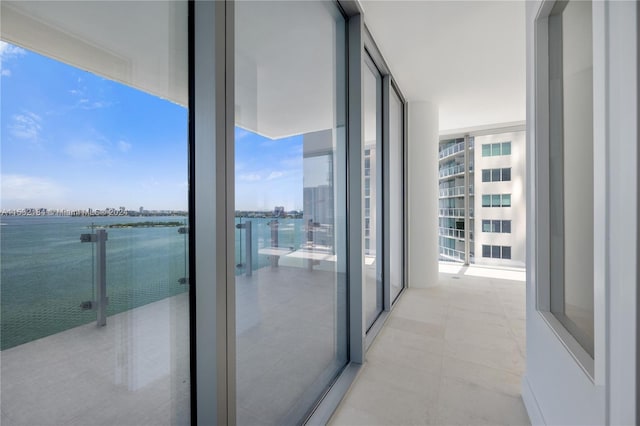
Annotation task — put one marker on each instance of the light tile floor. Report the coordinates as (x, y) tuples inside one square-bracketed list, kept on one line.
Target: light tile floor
[(453, 354)]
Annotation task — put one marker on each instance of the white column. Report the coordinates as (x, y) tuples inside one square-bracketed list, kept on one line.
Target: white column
[(422, 196)]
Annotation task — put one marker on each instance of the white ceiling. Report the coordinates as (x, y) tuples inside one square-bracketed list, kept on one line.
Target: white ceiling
[(139, 43), (467, 57)]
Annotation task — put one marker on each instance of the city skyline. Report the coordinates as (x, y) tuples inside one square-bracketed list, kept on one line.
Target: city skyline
[(71, 139)]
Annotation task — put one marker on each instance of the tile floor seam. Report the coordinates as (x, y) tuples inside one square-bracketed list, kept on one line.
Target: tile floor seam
[(513, 334)]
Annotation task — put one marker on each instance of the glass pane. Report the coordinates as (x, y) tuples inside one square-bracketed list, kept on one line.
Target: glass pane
[(495, 149), (396, 199), (495, 175), (290, 192), (486, 251), (495, 252), (495, 200), (486, 150), (506, 174), (506, 226), (571, 169), (496, 226), (506, 200), (486, 226), (506, 148), (486, 175), (506, 252), (372, 143), (95, 288), (486, 201)]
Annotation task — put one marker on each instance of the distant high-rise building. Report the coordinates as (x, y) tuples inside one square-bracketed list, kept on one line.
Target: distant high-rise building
[(482, 208)]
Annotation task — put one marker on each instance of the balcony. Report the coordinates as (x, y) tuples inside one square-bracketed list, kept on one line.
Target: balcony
[(450, 232), (454, 191), (452, 150), (451, 354), (107, 374), (449, 254), (452, 171), (135, 369), (451, 212)]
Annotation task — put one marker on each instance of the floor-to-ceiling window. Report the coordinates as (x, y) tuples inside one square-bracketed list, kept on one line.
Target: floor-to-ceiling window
[(396, 193), (94, 268), (126, 262), (372, 196), (290, 207)]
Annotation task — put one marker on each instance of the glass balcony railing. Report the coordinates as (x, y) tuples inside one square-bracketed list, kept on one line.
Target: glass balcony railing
[(451, 212), (451, 254), (451, 150), (450, 232), (265, 241), (85, 269), (450, 171), (454, 191)]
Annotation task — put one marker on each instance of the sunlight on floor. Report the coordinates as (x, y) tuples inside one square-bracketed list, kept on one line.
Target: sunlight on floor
[(512, 274)]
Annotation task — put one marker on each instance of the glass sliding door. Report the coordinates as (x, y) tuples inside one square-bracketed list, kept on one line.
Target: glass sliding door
[(94, 269), (372, 194), (290, 202), (396, 193)]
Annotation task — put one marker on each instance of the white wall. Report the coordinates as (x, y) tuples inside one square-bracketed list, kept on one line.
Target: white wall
[(423, 194), (516, 187), (556, 388)]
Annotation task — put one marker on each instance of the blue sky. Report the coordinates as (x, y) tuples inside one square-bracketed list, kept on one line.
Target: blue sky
[(71, 139)]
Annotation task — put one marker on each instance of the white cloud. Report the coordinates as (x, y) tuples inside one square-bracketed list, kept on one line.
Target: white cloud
[(124, 146), (250, 177), (8, 51), (26, 126), (275, 175), (85, 151), (6, 73), (84, 100), (29, 188)]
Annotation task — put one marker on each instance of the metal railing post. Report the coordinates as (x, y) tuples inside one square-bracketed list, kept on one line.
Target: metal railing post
[(247, 247), (274, 242), (247, 244), (101, 277), (101, 302)]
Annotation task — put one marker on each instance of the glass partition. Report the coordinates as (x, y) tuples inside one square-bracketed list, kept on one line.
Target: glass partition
[(290, 202), (396, 194), (372, 197)]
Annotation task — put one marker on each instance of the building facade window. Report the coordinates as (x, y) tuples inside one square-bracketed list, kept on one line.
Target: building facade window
[(496, 149), (496, 200), (496, 252), (499, 226), (496, 175)]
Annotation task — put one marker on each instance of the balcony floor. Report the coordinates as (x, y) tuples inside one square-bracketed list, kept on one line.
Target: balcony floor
[(135, 370), (453, 354)]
